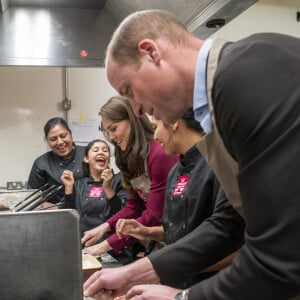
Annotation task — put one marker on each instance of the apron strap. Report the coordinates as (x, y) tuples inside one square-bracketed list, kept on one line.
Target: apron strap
[(212, 147)]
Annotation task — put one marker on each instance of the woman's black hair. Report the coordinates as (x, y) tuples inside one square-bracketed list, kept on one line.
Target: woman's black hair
[(190, 121), (85, 166), (53, 122)]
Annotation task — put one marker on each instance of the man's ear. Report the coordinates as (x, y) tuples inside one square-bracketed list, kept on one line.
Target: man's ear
[(149, 48)]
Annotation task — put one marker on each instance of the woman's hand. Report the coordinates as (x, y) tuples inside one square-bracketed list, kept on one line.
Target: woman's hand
[(94, 235), (67, 179), (97, 249), (133, 228), (107, 176), (49, 206)]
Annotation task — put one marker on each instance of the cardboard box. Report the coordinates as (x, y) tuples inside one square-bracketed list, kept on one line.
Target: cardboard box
[(90, 264)]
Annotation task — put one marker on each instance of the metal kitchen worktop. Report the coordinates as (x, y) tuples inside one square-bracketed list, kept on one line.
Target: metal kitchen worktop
[(9, 198)]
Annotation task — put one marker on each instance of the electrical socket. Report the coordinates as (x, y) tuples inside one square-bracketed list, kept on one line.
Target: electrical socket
[(14, 185)]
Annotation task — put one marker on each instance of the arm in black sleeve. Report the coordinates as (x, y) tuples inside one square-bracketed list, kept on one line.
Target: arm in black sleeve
[(37, 177), (68, 201), (215, 238)]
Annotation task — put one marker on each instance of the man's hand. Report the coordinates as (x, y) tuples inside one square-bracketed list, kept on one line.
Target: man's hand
[(109, 283), (113, 282), (152, 292), (104, 295)]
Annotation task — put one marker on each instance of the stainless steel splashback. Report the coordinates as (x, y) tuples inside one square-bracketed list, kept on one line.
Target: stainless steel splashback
[(74, 33)]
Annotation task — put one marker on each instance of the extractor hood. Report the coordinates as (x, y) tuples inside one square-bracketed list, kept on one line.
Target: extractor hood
[(74, 33)]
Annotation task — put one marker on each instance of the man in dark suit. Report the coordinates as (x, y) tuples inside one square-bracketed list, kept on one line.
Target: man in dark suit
[(154, 61)]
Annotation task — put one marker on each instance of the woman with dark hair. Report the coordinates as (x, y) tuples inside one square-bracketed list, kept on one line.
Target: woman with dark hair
[(193, 195), (144, 167), (99, 194), (64, 155)]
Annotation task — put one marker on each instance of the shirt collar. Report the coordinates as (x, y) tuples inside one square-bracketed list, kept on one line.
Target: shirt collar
[(190, 157), (200, 96)]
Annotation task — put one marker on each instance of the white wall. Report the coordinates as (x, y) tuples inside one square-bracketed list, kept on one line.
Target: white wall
[(264, 16), (29, 96), (88, 90)]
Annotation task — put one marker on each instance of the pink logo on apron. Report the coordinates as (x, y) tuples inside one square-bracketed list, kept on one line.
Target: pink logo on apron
[(95, 191), (181, 185)]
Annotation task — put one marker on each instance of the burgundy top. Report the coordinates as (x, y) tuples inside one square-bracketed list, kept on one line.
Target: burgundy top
[(149, 213)]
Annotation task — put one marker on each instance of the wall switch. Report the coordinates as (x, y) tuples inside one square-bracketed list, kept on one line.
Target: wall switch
[(66, 104)]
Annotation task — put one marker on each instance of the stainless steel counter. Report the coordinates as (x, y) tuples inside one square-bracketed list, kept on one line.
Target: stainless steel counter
[(9, 198)]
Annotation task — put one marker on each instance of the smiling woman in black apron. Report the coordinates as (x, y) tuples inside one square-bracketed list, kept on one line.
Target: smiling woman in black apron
[(144, 167), (64, 155), (99, 194)]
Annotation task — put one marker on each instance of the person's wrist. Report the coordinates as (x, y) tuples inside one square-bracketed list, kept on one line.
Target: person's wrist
[(68, 190), (106, 246), (183, 295), (106, 227), (148, 232)]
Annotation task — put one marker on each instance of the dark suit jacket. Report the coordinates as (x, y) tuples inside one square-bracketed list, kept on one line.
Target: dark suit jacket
[(256, 96)]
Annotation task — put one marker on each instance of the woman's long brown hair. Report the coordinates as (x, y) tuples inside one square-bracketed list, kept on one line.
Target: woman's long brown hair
[(131, 162)]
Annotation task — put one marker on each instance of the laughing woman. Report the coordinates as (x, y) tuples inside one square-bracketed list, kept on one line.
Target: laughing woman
[(99, 194), (144, 167), (64, 155)]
